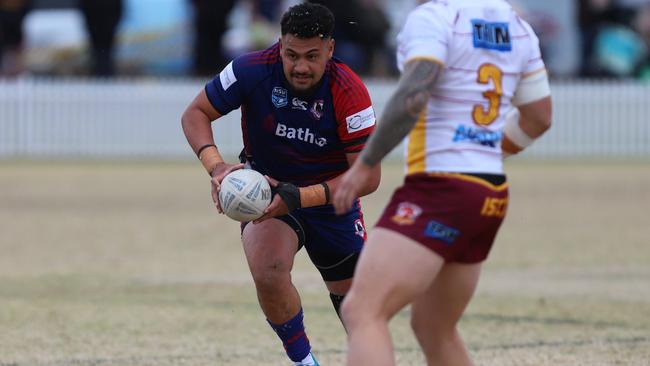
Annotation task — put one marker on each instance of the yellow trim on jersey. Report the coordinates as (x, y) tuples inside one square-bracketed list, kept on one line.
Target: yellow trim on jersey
[(472, 179), (523, 76), (416, 153), (424, 58)]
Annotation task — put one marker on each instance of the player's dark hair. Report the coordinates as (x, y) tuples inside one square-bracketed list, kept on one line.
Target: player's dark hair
[(308, 20)]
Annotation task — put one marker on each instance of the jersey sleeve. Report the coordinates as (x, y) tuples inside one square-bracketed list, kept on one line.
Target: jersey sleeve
[(533, 63), (426, 34), (355, 116), (226, 91)]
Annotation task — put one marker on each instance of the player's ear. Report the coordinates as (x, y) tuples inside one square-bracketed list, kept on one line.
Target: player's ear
[(330, 48)]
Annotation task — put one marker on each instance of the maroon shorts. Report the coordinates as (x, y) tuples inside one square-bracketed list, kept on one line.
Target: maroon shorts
[(455, 215)]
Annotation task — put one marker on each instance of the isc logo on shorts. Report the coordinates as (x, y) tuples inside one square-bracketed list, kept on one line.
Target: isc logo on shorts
[(494, 207)]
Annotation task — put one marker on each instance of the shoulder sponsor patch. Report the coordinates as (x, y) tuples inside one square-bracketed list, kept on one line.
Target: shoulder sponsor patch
[(491, 35), (227, 77), (361, 120)]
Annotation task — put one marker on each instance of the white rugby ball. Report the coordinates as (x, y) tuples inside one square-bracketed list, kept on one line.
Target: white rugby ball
[(244, 194)]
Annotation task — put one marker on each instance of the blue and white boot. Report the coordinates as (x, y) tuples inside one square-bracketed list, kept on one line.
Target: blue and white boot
[(310, 360)]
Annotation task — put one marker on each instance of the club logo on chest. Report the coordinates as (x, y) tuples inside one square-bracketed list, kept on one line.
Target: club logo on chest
[(279, 97)]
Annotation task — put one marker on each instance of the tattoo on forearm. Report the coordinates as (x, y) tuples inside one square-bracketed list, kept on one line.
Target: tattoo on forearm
[(402, 110)]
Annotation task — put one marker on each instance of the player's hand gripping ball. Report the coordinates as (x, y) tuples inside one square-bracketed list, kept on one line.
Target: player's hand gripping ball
[(244, 194)]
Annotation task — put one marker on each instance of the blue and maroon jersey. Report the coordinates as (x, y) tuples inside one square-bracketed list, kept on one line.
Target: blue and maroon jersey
[(297, 139)]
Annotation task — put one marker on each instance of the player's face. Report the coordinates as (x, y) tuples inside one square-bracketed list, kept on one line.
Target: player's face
[(304, 60)]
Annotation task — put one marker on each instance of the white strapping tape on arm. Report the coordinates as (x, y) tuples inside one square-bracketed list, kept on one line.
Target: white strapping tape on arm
[(514, 131), (531, 88)]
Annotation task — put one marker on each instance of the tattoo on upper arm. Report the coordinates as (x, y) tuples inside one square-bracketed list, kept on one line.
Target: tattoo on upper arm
[(402, 110), (417, 83)]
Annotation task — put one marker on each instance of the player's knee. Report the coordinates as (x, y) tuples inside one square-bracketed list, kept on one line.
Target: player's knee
[(271, 275), (353, 312), (432, 332), (347, 310), (421, 330)]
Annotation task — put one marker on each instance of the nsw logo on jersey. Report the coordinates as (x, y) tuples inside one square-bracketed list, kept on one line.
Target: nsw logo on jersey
[(491, 35), (280, 97)]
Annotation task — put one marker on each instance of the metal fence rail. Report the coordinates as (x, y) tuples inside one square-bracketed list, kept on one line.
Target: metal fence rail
[(53, 118)]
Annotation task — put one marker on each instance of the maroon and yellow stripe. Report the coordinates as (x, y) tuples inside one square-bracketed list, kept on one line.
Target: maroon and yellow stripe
[(469, 178), (416, 154)]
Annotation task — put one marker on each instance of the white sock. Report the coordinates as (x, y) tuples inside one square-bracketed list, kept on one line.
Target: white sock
[(307, 360)]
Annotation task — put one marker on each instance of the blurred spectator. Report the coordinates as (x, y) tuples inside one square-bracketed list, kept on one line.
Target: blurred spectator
[(612, 47), (270, 10), (210, 24), (360, 34), (102, 18), (12, 13), (263, 28), (642, 26)]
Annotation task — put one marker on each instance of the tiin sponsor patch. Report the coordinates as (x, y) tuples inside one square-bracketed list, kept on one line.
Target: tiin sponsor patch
[(491, 35)]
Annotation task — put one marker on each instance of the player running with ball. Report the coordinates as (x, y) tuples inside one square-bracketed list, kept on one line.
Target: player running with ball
[(305, 117)]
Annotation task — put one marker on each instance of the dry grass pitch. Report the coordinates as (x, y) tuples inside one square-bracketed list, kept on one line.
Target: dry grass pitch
[(129, 264)]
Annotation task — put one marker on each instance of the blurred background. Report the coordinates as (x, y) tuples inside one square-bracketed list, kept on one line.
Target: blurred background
[(112, 253), (580, 38), (110, 78)]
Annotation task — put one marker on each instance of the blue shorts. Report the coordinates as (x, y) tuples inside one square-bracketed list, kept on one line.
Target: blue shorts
[(333, 242)]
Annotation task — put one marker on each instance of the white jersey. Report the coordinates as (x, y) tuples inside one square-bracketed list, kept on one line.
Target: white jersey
[(485, 50)]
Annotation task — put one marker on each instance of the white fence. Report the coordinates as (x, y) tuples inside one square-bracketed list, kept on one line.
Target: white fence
[(58, 119)]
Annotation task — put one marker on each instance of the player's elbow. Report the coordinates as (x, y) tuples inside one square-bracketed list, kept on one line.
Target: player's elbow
[(373, 182), (544, 118), (540, 124), (193, 119), (186, 119), (536, 117), (546, 122)]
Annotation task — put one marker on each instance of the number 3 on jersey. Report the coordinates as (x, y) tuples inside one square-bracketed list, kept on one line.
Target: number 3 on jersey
[(486, 73)]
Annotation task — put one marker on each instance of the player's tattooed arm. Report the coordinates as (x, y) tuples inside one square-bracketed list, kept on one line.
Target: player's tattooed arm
[(402, 110)]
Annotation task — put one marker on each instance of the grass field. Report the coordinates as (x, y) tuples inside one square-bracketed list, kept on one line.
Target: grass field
[(129, 264)]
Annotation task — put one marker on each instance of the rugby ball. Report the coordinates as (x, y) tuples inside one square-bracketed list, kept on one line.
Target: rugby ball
[(244, 194)]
